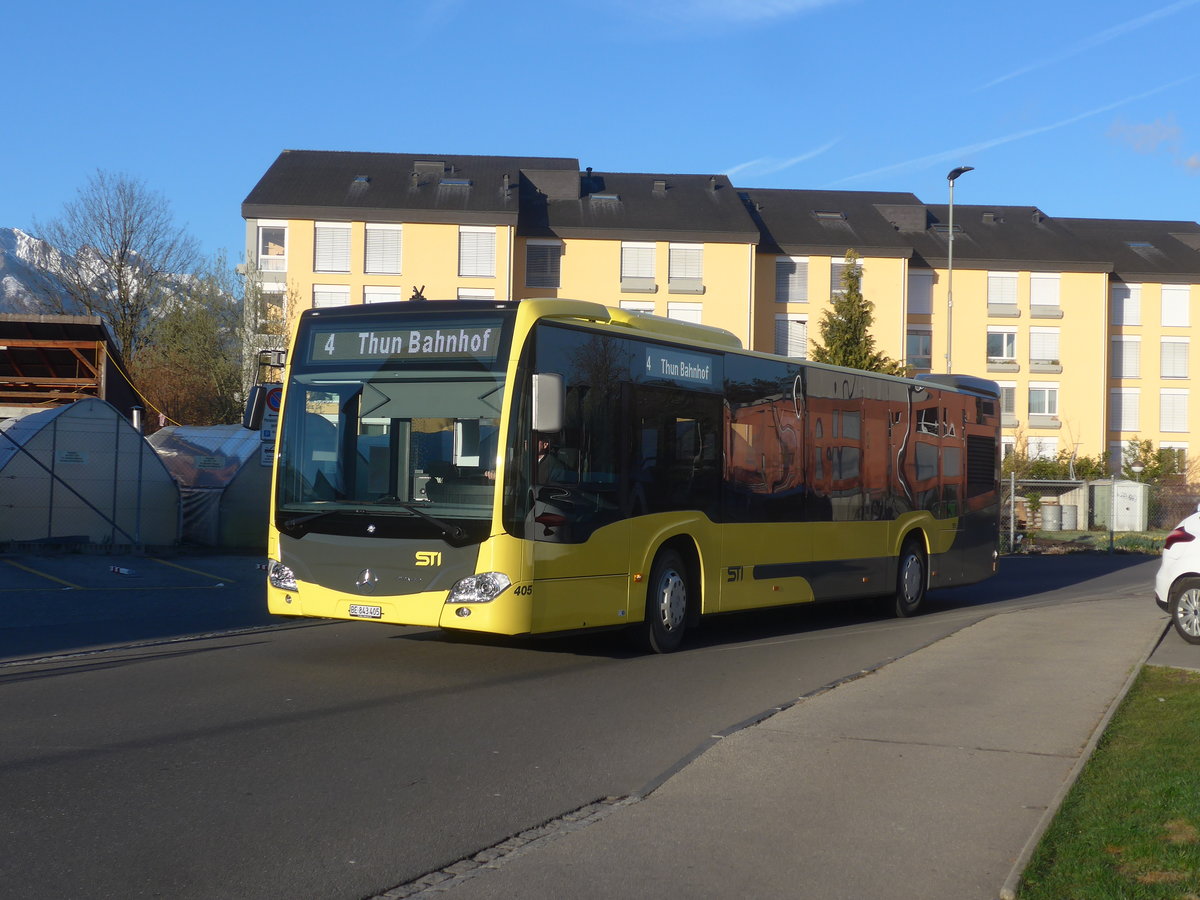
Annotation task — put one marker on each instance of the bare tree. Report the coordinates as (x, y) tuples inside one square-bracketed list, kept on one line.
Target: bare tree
[(114, 252)]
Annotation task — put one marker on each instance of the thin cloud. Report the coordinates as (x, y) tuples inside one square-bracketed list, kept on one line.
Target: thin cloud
[(959, 153), (1148, 137), (766, 165), (1095, 40), (1162, 137)]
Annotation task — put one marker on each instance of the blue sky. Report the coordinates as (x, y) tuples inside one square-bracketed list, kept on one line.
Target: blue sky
[(1083, 108)]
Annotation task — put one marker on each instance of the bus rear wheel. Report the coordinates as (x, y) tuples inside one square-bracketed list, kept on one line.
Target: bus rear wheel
[(667, 597), (911, 581)]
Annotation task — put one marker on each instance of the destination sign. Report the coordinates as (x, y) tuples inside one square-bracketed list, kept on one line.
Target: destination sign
[(680, 367), (426, 341)]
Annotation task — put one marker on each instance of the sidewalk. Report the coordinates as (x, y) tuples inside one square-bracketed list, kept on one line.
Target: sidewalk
[(931, 778)]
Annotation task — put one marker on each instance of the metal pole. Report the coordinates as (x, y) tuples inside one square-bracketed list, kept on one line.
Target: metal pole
[(1012, 512), (950, 287), (951, 177), (1112, 511)]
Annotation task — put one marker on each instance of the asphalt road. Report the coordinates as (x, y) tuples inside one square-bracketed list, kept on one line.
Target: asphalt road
[(291, 758)]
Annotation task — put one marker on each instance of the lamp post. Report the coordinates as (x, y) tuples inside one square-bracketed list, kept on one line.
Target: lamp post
[(951, 178)]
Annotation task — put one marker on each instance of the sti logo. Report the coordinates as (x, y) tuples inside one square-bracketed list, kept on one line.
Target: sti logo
[(428, 558)]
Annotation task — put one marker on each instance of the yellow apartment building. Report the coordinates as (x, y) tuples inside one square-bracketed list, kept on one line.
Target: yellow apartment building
[(1084, 323)]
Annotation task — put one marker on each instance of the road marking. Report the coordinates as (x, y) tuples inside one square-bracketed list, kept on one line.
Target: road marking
[(194, 571), (25, 568)]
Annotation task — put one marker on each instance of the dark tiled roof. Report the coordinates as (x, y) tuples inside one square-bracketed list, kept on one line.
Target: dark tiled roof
[(636, 206), (1143, 250), (383, 187), (1005, 237), (831, 222), (547, 196)]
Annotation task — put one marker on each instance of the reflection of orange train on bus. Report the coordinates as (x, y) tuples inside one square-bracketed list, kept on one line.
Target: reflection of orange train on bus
[(825, 437), (833, 446)]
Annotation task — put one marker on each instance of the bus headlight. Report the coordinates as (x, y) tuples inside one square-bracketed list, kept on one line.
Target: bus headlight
[(280, 576), (479, 588)]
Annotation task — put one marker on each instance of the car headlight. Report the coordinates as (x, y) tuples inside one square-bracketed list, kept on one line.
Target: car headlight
[(280, 576), (482, 588)]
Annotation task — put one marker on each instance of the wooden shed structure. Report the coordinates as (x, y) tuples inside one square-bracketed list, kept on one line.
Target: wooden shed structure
[(48, 361)]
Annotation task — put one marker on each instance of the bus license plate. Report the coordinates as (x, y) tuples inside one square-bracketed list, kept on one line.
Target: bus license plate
[(359, 611)]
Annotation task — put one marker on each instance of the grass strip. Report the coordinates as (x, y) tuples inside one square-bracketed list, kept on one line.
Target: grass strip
[(1130, 827)]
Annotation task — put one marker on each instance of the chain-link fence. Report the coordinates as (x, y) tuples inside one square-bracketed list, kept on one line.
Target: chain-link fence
[(1101, 514)]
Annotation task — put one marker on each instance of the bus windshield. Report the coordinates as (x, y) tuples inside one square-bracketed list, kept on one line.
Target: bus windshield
[(407, 440)]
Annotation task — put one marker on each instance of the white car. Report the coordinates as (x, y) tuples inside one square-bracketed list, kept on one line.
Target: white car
[(1177, 584)]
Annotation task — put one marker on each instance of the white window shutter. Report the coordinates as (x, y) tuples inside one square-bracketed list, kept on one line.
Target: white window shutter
[(476, 252), (332, 248), (383, 253)]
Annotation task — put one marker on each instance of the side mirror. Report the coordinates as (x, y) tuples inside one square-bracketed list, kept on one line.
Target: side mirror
[(548, 402)]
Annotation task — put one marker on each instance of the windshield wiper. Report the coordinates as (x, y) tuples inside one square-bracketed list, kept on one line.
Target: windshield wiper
[(293, 524), (454, 532)]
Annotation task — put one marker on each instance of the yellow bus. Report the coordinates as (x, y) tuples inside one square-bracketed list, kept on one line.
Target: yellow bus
[(554, 465)]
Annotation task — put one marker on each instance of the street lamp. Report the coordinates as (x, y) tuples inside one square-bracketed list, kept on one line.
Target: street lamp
[(951, 178)]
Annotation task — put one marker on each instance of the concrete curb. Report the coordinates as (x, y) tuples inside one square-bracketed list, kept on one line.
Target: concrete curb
[(1013, 882)]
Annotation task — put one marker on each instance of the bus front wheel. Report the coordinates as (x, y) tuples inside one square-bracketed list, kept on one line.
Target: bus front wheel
[(911, 581), (666, 603)]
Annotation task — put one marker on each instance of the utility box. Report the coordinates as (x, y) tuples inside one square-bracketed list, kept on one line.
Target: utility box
[(1120, 505)]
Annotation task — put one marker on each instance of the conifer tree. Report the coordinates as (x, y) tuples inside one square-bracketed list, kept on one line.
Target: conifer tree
[(846, 338)]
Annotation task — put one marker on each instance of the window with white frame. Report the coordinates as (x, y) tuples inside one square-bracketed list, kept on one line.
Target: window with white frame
[(837, 271), (1126, 356), (331, 247), (791, 335), (272, 246), (1173, 358), (1042, 447), (1008, 399), (1174, 457), (272, 308), (920, 293), (1124, 409), (331, 295), (1116, 457), (373, 294), (1173, 410), (1126, 304), (918, 349), (1008, 446), (543, 261), (476, 252), (685, 268), (1175, 305), (685, 312), (646, 307), (1002, 289), (476, 293), (791, 279), (383, 249), (1001, 344), (1043, 346), (637, 266), (1043, 398), (1043, 289)]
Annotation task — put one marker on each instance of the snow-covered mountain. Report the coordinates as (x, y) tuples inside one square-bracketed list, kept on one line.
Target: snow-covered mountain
[(18, 272)]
